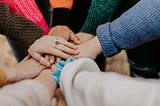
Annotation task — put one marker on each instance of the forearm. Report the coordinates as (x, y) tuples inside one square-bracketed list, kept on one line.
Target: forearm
[(83, 84), (97, 16), (25, 93), (18, 28), (136, 26), (46, 79), (11, 74)]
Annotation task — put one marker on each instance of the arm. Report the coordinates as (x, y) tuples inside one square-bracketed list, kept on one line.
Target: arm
[(37, 92), (101, 11), (17, 28), (138, 25), (83, 84), (61, 12), (26, 69)]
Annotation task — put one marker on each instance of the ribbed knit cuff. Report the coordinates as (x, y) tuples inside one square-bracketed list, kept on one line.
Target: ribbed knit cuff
[(3, 78), (90, 26), (105, 38), (61, 16)]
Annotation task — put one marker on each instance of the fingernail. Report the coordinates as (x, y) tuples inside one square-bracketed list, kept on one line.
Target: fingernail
[(51, 61), (48, 64), (47, 57)]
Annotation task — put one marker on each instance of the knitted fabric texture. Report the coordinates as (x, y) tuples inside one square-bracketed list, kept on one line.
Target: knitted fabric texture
[(101, 11), (136, 26), (60, 65), (18, 28), (29, 10), (3, 78), (61, 3)]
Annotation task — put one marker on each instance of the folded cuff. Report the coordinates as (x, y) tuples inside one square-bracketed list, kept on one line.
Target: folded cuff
[(105, 38)]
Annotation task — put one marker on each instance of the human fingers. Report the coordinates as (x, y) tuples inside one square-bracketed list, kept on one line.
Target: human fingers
[(66, 49), (53, 66), (58, 53), (51, 59), (64, 42), (58, 59), (26, 58), (39, 58), (74, 39), (46, 57)]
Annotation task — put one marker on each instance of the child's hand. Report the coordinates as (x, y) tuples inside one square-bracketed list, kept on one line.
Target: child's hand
[(51, 45)]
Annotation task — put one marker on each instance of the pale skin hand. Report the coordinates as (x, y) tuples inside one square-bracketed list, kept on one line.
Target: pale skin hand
[(83, 37), (89, 49), (65, 33), (26, 69), (47, 45)]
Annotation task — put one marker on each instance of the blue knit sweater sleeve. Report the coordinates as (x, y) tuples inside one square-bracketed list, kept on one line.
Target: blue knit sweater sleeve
[(136, 26)]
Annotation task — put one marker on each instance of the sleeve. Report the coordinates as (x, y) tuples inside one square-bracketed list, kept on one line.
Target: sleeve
[(61, 16), (101, 11), (25, 93), (18, 28), (83, 84), (61, 12), (3, 78), (136, 26)]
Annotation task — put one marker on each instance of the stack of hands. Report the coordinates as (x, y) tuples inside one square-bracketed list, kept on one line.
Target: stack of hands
[(62, 43)]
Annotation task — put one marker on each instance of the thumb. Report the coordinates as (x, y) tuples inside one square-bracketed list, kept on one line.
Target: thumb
[(74, 38)]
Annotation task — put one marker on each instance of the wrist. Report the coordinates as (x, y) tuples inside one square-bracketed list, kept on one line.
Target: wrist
[(98, 45), (11, 74), (45, 78)]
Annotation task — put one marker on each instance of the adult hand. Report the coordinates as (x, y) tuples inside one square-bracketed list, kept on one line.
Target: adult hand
[(65, 33), (89, 49), (51, 45), (46, 79), (83, 37), (28, 68)]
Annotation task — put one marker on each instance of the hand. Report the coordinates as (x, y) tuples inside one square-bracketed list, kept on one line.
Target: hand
[(53, 46), (89, 49), (83, 37), (61, 3), (26, 69), (52, 59), (46, 79), (65, 33)]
